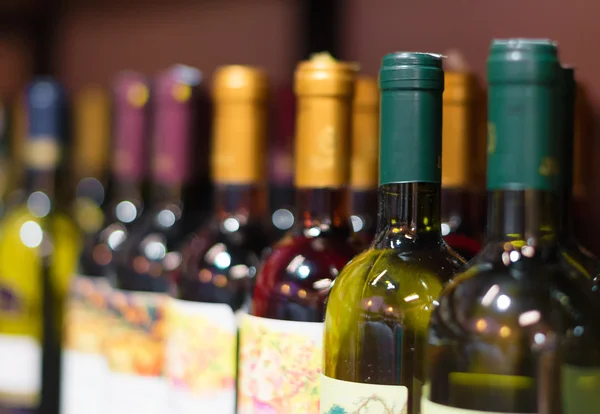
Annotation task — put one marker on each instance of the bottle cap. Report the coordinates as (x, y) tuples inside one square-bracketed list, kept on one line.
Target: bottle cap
[(46, 116), (173, 117), (525, 79), (411, 85), (131, 96), (415, 70), (324, 88), (458, 128), (240, 83), (322, 75), (522, 60), (365, 134), (92, 131), (240, 125)]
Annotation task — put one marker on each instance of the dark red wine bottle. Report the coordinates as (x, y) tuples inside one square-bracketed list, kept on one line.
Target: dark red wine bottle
[(280, 340), (135, 351)]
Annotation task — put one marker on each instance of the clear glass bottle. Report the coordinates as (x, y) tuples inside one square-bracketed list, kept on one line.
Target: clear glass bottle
[(378, 308)]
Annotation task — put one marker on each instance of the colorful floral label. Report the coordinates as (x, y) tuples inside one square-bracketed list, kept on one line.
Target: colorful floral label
[(201, 357), (135, 349), (85, 368), (280, 366), (345, 397)]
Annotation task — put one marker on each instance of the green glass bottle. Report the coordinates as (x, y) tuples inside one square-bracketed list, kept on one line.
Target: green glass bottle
[(517, 332), (379, 306)]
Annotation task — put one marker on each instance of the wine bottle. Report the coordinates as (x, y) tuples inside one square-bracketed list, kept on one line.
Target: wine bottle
[(280, 340), (84, 366), (515, 333), (124, 205), (458, 144), (281, 162), (379, 306), (4, 155), (90, 157), (220, 261), (135, 350), (574, 257), (364, 158), (39, 248)]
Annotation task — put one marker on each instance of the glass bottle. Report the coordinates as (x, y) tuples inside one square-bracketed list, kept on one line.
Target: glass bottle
[(515, 333), (280, 340), (364, 161), (135, 351), (214, 282), (458, 148), (379, 306), (39, 247)]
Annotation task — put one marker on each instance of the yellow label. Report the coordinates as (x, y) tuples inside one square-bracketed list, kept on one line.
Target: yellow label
[(280, 366), (345, 397), (457, 145), (428, 407), (42, 153), (322, 142), (201, 356), (581, 389)]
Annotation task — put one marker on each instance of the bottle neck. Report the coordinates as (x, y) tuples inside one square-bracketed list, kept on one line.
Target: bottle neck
[(326, 208), (244, 202), (408, 212), (526, 216)]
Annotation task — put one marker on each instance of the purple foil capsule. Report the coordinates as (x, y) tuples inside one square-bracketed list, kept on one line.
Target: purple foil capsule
[(173, 124)]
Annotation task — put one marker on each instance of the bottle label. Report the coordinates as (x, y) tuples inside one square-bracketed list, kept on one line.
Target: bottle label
[(85, 369), (201, 357), (341, 397), (280, 366), (581, 389), (20, 359), (134, 349), (428, 407)]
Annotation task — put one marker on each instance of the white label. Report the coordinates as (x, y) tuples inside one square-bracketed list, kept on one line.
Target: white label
[(128, 394), (280, 366), (428, 407), (20, 373), (201, 357), (135, 351), (84, 367), (345, 397)]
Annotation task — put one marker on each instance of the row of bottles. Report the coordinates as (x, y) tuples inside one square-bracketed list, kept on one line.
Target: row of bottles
[(129, 305)]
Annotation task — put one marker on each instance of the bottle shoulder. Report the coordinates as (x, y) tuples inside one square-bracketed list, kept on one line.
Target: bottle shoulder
[(378, 279)]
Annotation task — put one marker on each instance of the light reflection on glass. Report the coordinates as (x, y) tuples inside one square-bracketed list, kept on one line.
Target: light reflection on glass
[(166, 218), (283, 219), (490, 295), (38, 204), (503, 302), (31, 234), (126, 211), (231, 224), (357, 223), (172, 261), (303, 271), (539, 338), (445, 229), (222, 260), (529, 318), (115, 239)]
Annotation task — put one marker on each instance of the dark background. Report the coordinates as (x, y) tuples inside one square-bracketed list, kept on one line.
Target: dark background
[(88, 41)]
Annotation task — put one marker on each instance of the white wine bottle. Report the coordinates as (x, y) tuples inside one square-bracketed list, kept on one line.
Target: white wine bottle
[(518, 331), (39, 247), (378, 308)]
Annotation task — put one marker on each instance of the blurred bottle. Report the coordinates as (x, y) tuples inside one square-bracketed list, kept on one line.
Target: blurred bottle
[(364, 158), (84, 366), (136, 351), (38, 254), (90, 157), (124, 205), (4, 155), (281, 160), (17, 137), (280, 341), (458, 142), (221, 260)]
